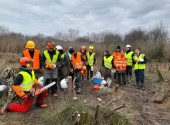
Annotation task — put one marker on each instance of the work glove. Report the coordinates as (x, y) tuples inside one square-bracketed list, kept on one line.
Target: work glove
[(24, 96), (52, 66), (47, 66)]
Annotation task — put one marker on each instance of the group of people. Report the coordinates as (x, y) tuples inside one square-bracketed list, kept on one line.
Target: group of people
[(55, 64), (123, 63)]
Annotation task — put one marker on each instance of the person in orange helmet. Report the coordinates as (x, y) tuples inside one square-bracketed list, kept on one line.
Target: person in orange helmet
[(23, 84), (51, 62)]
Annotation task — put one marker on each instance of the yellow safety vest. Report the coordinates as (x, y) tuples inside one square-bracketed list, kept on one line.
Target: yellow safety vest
[(48, 59), (90, 58), (108, 62), (28, 81), (62, 56), (129, 58), (138, 65)]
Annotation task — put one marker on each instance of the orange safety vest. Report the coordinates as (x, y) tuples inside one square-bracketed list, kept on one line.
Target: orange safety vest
[(115, 54), (36, 58), (120, 62), (77, 62)]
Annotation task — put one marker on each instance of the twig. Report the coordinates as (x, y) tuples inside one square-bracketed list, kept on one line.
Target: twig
[(116, 88), (96, 112), (109, 103), (74, 92), (107, 116)]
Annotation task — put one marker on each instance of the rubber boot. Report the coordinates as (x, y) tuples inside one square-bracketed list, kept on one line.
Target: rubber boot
[(79, 89)]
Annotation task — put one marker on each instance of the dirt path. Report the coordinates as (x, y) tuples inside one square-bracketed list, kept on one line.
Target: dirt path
[(140, 108)]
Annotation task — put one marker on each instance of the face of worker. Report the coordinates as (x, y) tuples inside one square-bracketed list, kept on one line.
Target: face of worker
[(90, 50), (137, 51), (51, 49), (127, 48), (121, 53), (31, 49)]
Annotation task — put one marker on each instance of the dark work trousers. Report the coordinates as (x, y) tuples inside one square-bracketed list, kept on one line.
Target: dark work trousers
[(139, 77), (121, 77), (128, 70), (78, 82), (54, 88), (89, 72), (106, 73)]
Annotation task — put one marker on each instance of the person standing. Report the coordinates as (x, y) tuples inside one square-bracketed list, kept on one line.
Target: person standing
[(129, 56), (50, 63), (120, 63), (91, 59), (139, 67), (107, 64), (77, 65), (115, 55), (34, 55)]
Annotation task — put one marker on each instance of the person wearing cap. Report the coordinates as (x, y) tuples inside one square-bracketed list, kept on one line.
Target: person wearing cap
[(115, 55), (120, 63), (64, 69), (69, 53), (129, 56), (77, 65), (34, 55), (107, 64), (91, 59), (83, 52), (140, 61), (50, 62)]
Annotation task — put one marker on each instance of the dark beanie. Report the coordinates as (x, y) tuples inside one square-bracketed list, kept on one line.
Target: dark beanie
[(118, 47), (71, 50)]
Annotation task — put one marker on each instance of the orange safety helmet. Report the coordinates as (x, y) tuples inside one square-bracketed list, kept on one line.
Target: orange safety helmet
[(24, 60), (96, 87), (50, 45), (83, 48)]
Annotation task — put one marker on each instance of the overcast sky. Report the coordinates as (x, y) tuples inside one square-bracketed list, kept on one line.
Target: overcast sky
[(49, 16)]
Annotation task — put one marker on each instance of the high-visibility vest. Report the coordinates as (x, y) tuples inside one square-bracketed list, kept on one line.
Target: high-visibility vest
[(63, 55), (120, 63), (90, 58), (28, 81), (108, 62), (138, 65), (129, 58), (36, 58), (77, 62), (48, 59)]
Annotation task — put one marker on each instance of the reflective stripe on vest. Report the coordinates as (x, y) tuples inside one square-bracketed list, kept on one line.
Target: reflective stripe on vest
[(77, 62), (120, 63), (129, 58), (108, 62), (28, 81), (36, 58), (138, 65), (48, 59), (90, 58), (63, 55)]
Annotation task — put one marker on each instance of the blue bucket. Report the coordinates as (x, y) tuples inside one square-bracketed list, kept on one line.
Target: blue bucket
[(97, 80)]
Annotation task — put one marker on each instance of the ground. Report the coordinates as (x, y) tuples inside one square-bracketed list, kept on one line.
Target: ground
[(140, 108)]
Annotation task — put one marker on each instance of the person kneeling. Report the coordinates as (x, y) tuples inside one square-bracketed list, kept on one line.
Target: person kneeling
[(23, 84)]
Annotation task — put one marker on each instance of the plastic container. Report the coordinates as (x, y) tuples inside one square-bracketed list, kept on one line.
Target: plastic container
[(97, 80)]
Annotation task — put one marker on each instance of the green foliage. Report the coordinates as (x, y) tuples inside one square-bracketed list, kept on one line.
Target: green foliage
[(87, 115)]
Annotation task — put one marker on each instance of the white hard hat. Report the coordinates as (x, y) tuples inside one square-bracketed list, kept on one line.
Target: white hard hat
[(2, 87), (128, 46), (41, 81), (58, 47), (63, 83)]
